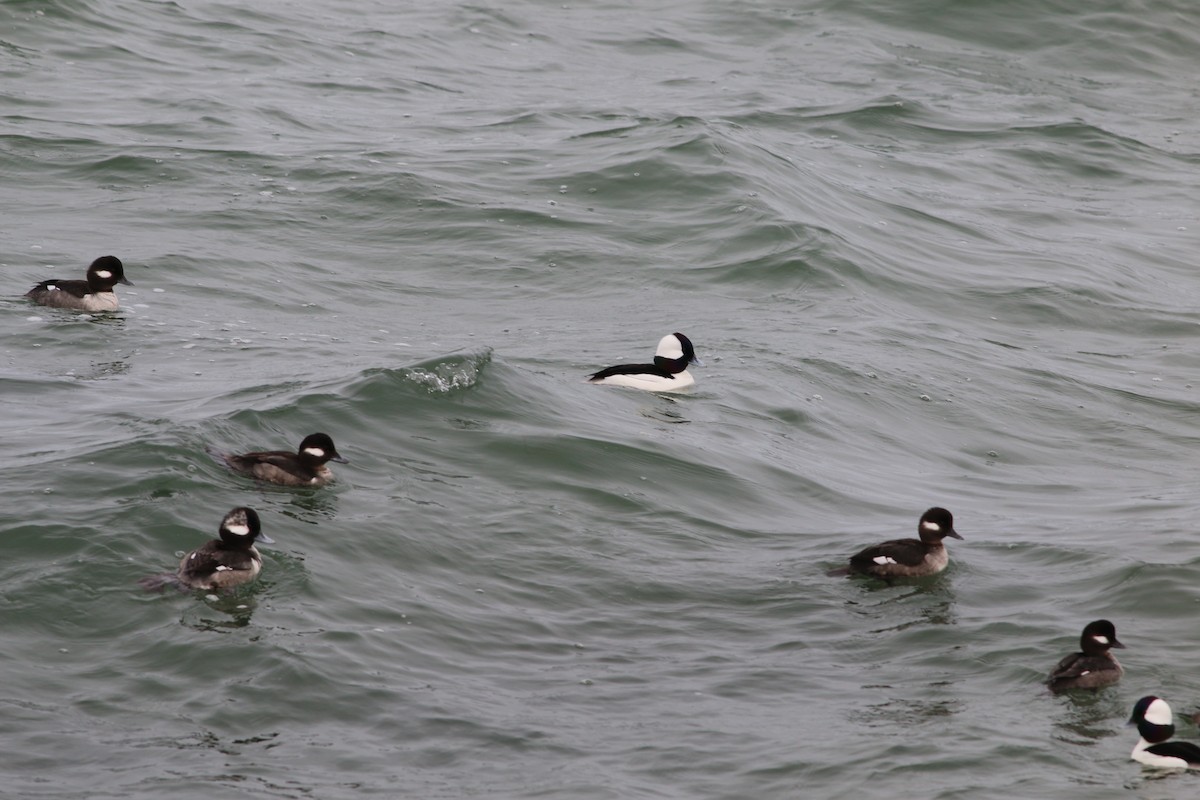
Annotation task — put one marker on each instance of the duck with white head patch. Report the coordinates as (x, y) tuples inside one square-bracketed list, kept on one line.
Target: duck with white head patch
[(1094, 666), (305, 467), (668, 373), (907, 558), (220, 563), (94, 294), (1156, 725)]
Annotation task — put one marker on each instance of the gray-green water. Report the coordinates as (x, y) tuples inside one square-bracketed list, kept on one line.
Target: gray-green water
[(932, 253)]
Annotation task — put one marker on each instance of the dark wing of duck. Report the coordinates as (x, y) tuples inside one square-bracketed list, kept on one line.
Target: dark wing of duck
[(214, 558), (74, 288), (631, 369), (909, 552), (1185, 750), (251, 463), (1071, 667)]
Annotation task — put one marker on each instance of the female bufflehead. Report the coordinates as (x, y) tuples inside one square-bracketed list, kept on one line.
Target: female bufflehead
[(220, 563), (668, 373), (305, 467), (908, 558), (94, 294), (1094, 667), (1153, 718)]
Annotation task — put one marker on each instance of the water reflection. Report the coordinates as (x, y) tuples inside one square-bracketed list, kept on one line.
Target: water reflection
[(107, 319), (311, 507), (907, 712), (104, 369), (668, 410), (934, 598), (1089, 717), (238, 608)]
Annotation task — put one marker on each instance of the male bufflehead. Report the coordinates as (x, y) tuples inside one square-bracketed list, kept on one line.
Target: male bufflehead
[(1156, 725), (220, 563), (94, 294), (908, 558), (305, 467), (1094, 667), (668, 373)]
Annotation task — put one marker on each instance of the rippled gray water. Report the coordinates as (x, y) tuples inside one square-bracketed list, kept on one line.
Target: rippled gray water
[(932, 253)]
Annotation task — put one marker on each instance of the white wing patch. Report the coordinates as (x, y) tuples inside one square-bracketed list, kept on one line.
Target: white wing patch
[(223, 568), (1141, 753), (649, 383), (50, 287), (317, 452), (1155, 760), (883, 560)]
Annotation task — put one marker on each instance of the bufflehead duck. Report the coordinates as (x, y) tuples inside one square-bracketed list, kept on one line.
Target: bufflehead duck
[(1156, 725), (1094, 667), (668, 373), (305, 467), (94, 294), (908, 558), (220, 563)]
